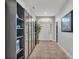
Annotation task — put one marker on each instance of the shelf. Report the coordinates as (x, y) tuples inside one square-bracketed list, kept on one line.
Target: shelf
[(20, 19), (21, 57), (19, 36), (20, 28), (19, 50)]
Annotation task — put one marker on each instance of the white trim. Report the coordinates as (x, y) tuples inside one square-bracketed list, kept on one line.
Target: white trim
[(65, 51), (53, 40), (47, 40)]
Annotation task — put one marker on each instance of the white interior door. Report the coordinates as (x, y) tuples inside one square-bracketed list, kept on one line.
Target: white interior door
[(45, 31)]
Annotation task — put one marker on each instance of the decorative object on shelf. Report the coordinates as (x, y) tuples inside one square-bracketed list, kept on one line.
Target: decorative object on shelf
[(67, 23), (20, 23), (17, 45), (18, 26)]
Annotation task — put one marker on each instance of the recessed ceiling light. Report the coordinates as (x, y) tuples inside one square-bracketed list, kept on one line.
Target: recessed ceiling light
[(45, 13), (33, 7)]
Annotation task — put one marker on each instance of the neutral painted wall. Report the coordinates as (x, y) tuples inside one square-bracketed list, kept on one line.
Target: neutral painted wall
[(10, 29), (47, 28), (65, 39)]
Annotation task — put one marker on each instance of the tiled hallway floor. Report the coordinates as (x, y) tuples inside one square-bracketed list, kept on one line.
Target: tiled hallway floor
[(48, 50)]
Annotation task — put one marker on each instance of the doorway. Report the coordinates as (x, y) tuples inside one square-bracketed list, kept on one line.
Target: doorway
[(45, 33), (56, 31)]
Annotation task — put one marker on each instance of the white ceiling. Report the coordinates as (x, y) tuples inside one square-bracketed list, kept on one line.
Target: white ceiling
[(45, 7)]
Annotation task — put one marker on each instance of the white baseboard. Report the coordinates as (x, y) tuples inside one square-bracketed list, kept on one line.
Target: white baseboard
[(47, 39), (65, 51)]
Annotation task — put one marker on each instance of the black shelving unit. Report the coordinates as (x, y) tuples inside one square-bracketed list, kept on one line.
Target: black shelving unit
[(20, 32), (19, 36)]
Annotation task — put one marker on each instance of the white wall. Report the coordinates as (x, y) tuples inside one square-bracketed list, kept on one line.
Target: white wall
[(65, 38), (47, 28)]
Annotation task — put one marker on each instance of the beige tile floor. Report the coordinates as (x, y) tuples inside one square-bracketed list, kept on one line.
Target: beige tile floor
[(48, 50)]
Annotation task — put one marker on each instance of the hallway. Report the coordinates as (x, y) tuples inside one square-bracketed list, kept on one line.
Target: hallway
[(46, 21), (48, 50)]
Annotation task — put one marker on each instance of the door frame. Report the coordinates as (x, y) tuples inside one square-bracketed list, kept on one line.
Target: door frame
[(56, 31)]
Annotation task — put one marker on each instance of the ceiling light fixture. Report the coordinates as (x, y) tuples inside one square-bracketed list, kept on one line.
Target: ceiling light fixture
[(33, 7), (45, 13)]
